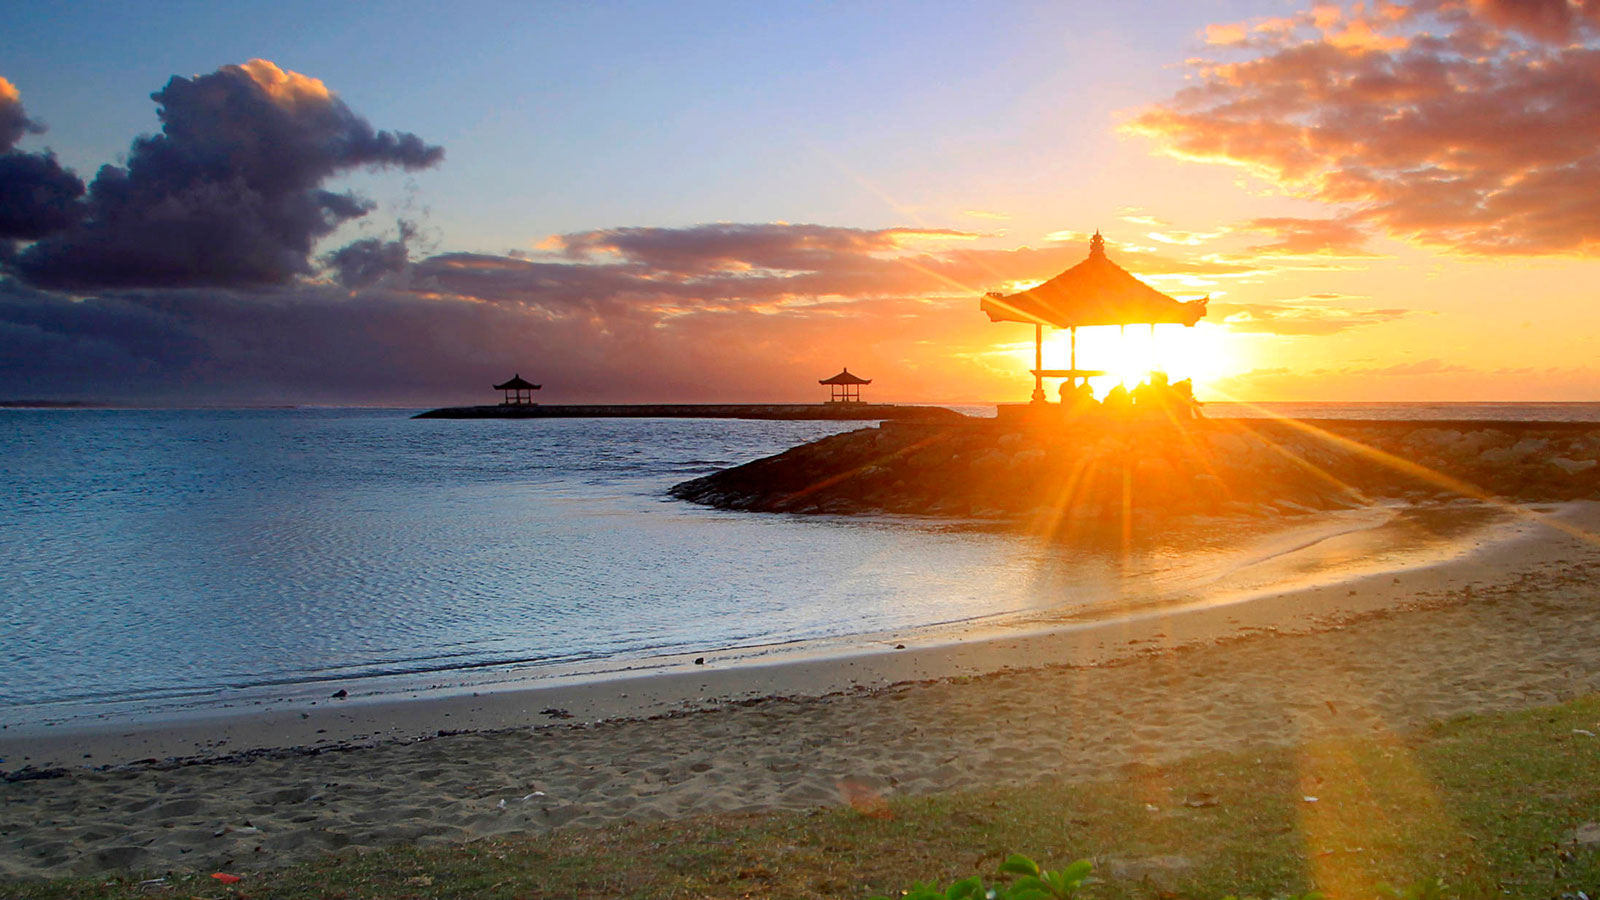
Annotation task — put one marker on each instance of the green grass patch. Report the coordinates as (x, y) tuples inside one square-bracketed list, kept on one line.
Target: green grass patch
[(1489, 804)]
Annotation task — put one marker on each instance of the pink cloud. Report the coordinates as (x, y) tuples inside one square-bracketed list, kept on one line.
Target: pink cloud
[(1473, 128)]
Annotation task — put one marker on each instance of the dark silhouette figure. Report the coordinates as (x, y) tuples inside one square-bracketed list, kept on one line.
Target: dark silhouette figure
[(1183, 395), (1160, 397), (1146, 396), (1077, 399), (1117, 401)]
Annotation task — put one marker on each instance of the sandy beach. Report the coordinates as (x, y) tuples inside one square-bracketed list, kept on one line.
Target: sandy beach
[(1508, 623)]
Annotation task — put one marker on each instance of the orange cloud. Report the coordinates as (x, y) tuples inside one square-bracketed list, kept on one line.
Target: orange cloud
[(287, 88), (1303, 237), (1290, 319), (1226, 35), (1430, 123), (1550, 20)]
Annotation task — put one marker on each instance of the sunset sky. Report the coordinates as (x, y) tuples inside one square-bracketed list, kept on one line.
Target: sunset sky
[(333, 203)]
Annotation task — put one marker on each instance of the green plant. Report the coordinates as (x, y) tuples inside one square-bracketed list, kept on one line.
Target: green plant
[(1032, 883)]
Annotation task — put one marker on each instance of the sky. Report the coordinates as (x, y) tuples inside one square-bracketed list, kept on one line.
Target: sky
[(723, 202)]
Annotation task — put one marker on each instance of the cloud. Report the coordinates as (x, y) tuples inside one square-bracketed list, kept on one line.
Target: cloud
[(724, 311), (14, 123), (702, 249), (366, 261), (1135, 216), (1226, 35), (311, 342), (37, 196), (1294, 320), (229, 193), (1306, 237), (1414, 380), (1473, 127), (1419, 367), (1185, 238), (1555, 21)]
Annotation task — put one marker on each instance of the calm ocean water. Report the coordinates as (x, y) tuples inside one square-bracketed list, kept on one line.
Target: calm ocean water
[(158, 558)]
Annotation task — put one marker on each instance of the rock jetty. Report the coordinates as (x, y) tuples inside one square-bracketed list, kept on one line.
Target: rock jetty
[(785, 411), (986, 468)]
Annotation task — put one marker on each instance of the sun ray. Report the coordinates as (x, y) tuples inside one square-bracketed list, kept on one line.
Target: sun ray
[(1422, 473)]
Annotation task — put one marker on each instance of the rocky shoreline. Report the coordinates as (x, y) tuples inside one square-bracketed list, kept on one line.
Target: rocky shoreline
[(776, 411), (1062, 473)]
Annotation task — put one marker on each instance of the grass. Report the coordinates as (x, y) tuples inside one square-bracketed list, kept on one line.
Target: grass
[(1489, 804)]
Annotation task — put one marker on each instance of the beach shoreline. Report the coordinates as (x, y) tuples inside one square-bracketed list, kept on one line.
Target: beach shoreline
[(1507, 625), (1295, 572)]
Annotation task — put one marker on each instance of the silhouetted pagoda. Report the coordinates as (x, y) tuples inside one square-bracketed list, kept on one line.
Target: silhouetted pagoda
[(518, 392), (844, 387), (1096, 291)]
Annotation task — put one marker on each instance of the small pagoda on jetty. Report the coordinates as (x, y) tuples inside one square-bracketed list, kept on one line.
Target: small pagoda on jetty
[(844, 387), (517, 391), (1096, 291)]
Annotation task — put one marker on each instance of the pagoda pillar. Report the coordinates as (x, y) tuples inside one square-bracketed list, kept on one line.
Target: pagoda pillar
[(1038, 363)]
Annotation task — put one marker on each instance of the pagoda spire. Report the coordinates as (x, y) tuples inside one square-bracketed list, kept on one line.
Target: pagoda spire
[(1097, 244)]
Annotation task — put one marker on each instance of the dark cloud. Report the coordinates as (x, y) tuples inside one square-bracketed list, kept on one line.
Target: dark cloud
[(708, 248), (229, 193), (1474, 127), (708, 266), (37, 196), (709, 317), (307, 342), (369, 260), (14, 123), (722, 312), (769, 267), (1556, 21)]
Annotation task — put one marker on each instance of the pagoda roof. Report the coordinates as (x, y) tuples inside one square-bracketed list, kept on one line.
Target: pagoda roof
[(516, 384), (1096, 291), (845, 378)]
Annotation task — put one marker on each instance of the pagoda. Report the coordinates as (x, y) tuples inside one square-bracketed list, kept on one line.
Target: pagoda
[(844, 387), (1096, 291), (517, 392)]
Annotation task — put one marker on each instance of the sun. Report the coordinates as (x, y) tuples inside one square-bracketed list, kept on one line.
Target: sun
[(1206, 353)]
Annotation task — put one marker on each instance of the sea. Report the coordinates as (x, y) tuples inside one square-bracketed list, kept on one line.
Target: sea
[(155, 560)]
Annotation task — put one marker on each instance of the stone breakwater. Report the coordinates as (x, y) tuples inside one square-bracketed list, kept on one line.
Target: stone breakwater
[(775, 411), (1205, 467)]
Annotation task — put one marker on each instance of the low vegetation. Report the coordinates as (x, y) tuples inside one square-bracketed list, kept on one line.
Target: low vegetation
[(1492, 806)]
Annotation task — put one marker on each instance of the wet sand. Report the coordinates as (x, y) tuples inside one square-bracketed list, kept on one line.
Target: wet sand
[(1239, 664)]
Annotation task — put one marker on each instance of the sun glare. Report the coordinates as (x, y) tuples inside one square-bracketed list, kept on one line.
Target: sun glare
[(1204, 353)]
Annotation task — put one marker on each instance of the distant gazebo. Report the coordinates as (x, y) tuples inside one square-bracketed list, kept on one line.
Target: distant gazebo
[(518, 392), (1096, 291), (844, 387)]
